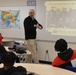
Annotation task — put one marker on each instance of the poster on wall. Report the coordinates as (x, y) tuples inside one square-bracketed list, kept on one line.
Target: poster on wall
[(9, 19)]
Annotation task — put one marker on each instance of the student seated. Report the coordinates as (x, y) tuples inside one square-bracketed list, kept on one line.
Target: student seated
[(2, 51), (65, 55), (8, 61)]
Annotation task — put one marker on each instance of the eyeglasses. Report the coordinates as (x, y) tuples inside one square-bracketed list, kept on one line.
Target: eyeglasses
[(32, 12)]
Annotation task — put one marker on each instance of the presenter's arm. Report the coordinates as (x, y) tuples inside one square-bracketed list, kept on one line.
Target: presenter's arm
[(38, 24)]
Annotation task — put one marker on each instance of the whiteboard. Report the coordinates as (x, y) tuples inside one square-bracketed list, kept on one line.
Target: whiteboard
[(44, 34), (12, 32)]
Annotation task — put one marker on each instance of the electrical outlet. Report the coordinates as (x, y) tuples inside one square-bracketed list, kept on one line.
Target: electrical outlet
[(46, 51)]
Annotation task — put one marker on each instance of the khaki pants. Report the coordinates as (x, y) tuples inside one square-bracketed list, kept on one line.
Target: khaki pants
[(31, 43)]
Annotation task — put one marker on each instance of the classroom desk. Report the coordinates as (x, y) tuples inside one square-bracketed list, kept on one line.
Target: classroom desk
[(44, 69), (22, 56), (11, 39), (27, 51), (7, 40)]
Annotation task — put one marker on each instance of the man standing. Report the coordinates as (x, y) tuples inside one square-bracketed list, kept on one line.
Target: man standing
[(30, 26)]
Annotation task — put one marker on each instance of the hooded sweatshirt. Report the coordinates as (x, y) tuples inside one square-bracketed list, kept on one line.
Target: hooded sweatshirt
[(13, 70), (64, 58)]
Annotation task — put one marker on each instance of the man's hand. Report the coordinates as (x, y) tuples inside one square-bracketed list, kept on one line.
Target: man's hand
[(38, 26)]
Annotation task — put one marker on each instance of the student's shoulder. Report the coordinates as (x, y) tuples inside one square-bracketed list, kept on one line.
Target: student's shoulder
[(21, 69), (56, 61), (74, 55), (1, 71), (74, 51), (16, 71)]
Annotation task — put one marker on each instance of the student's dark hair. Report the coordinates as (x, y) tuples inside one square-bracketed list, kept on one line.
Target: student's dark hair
[(61, 45), (9, 58)]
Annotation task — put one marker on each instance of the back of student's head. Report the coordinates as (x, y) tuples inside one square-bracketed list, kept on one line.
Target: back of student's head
[(8, 59), (61, 45)]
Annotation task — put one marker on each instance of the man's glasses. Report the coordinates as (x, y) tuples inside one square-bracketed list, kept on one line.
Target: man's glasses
[(32, 12)]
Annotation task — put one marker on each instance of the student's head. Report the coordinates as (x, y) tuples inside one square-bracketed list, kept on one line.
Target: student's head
[(32, 13), (8, 59), (60, 45)]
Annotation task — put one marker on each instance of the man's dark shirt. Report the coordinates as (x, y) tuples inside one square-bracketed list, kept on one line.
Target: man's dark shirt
[(30, 29)]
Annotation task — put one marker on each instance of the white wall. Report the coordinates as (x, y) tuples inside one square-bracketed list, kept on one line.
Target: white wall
[(42, 46), (12, 3)]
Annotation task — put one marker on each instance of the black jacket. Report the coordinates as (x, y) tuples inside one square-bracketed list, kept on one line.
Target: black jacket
[(2, 51), (19, 70), (30, 30)]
